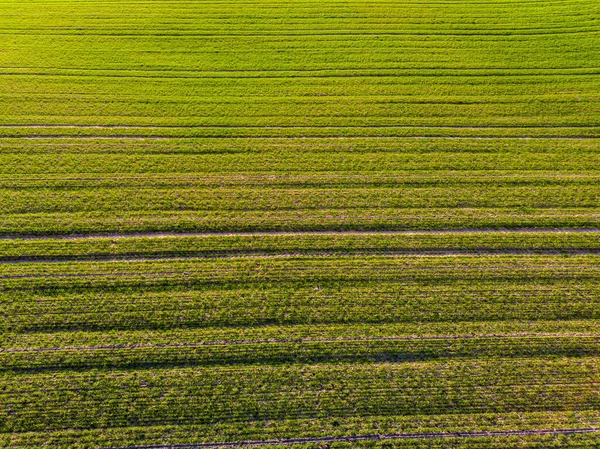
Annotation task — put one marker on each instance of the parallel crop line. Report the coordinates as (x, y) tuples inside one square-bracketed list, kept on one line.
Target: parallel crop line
[(124, 235), (215, 136), (294, 340), (233, 254), (371, 437), (308, 33), (417, 126)]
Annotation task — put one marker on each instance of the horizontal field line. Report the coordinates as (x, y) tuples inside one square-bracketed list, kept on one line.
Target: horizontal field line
[(295, 340), (309, 33), (251, 254), (369, 437), (200, 126), (586, 272), (587, 210), (302, 70), (164, 75), (274, 74), (300, 233), (273, 137)]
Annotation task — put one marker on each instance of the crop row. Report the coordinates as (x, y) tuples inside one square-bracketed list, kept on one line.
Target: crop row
[(292, 162), (293, 428), (92, 305), (290, 47), (333, 126), (208, 133), (301, 352), (363, 83), (299, 269), (316, 147), (321, 53), (356, 179), (533, 439), (274, 244), (340, 26), (274, 430), (233, 199), (280, 333), (560, 111), (307, 14), (297, 220), (92, 399)]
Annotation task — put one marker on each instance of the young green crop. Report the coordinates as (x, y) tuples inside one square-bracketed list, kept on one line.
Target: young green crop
[(365, 243), (91, 399), (273, 132)]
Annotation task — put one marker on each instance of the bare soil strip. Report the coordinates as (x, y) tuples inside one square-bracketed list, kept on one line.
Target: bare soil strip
[(123, 235), (293, 340), (370, 437)]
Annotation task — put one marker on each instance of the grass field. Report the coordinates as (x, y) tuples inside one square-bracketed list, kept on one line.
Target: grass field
[(318, 224)]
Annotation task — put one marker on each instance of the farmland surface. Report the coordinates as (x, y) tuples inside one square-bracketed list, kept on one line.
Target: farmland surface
[(336, 223)]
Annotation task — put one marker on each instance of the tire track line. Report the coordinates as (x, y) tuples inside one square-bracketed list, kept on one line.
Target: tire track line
[(466, 127), (273, 137)]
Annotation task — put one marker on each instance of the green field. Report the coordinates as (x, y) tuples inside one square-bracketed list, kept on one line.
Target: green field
[(310, 224)]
